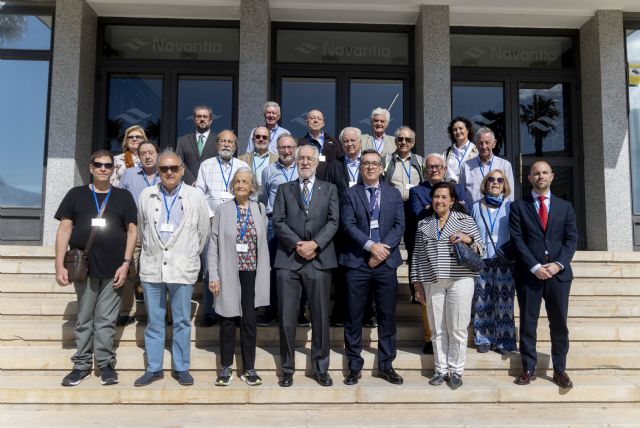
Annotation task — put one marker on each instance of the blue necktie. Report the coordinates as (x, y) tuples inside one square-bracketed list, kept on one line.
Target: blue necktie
[(374, 212)]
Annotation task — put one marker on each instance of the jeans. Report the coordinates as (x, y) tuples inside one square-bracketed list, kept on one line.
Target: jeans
[(156, 303)]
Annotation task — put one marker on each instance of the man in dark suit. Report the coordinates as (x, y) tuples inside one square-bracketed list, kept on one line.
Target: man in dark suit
[(543, 229), (198, 146), (372, 219), (305, 219), (328, 146)]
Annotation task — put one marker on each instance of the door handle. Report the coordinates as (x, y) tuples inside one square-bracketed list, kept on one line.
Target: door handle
[(520, 167)]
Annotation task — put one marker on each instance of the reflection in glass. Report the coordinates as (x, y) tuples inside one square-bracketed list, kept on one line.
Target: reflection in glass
[(23, 119), (368, 94), (545, 119), (561, 187), (299, 95), (134, 99), (25, 32), (633, 57), (483, 104), (204, 90)]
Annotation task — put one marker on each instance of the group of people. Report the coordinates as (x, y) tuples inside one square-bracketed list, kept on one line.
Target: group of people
[(282, 225)]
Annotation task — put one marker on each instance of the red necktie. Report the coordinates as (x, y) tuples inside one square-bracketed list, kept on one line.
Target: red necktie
[(542, 212)]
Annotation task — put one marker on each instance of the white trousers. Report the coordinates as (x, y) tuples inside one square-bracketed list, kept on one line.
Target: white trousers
[(449, 310)]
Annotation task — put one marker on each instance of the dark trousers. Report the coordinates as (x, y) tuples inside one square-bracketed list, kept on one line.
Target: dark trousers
[(410, 226), (339, 311), (247, 325), (531, 291), (316, 283), (383, 281)]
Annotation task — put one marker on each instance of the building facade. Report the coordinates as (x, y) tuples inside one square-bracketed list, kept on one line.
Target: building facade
[(558, 81)]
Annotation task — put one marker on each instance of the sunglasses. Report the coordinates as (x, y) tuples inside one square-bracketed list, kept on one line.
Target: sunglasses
[(492, 179), (98, 165), (260, 137), (173, 168), (401, 139)]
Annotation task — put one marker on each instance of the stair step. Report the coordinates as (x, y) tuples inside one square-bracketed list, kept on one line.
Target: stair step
[(621, 357), (476, 389)]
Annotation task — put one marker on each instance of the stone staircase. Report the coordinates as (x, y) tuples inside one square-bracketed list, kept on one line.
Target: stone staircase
[(36, 341)]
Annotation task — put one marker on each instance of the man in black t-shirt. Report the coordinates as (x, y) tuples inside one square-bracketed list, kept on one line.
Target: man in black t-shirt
[(109, 259)]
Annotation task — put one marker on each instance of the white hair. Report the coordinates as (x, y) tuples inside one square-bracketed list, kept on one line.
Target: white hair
[(436, 155), (271, 104), (483, 131), (347, 129), (316, 152), (379, 111)]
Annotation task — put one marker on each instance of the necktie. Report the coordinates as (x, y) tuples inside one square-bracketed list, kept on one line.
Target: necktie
[(542, 213), (200, 144), (305, 193), (374, 211)]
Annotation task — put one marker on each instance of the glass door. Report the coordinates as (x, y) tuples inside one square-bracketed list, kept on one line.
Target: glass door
[(301, 94), (368, 94)]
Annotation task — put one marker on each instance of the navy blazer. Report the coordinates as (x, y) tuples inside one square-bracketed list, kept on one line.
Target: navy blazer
[(559, 241), (419, 198), (354, 222)]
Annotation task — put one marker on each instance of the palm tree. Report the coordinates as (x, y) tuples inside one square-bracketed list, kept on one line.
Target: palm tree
[(11, 28), (493, 120), (539, 116)]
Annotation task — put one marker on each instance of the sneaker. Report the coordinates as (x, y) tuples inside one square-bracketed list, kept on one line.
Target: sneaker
[(148, 378), (438, 379), (108, 376), (455, 381), (225, 376), (251, 377), (184, 378), (483, 349), (125, 320), (75, 377)]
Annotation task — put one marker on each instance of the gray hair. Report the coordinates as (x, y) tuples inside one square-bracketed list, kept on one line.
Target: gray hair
[(255, 187), (316, 152), (203, 107), (271, 104), (381, 112), (405, 128), (286, 135), (347, 129), (169, 152), (483, 131), (436, 155)]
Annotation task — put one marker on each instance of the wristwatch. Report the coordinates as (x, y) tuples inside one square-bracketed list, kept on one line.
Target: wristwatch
[(127, 261)]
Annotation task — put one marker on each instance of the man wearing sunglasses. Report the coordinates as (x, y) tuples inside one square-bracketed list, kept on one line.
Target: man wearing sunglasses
[(174, 227), (260, 158), (473, 171), (113, 214)]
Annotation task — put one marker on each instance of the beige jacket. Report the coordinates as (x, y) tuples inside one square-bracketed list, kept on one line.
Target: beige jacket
[(178, 260)]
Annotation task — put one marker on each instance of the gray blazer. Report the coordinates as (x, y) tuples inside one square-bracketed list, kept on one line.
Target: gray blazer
[(187, 148), (223, 258), (292, 224)]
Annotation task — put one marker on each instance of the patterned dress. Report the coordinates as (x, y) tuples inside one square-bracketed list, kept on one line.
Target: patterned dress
[(247, 261)]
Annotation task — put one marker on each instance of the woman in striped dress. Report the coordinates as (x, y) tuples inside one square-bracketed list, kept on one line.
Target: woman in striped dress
[(443, 285)]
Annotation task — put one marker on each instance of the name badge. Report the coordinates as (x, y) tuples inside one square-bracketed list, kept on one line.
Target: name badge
[(322, 158), (98, 222), (352, 183), (408, 186), (242, 248), (166, 227), (226, 196), (374, 224)]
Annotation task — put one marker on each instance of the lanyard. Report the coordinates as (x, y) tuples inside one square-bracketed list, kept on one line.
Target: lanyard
[(256, 168), (378, 146), (407, 171), (95, 198), (226, 179), (169, 208), (146, 180), (272, 133), (354, 176), (283, 169), (463, 155), (492, 223), (307, 200), (243, 227), (376, 204), (482, 166), (438, 230)]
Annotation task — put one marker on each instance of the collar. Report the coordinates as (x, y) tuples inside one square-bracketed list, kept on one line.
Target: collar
[(274, 129), (142, 171), (225, 162), (258, 155), (320, 135), (535, 195), (398, 158), (352, 161), (312, 180), (463, 148), (493, 157), (282, 166), (375, 186), (206, 134), (162, 189)]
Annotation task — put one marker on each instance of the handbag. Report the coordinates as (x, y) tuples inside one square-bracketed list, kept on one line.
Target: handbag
[(76, 261), (503, 253), (465, 256)]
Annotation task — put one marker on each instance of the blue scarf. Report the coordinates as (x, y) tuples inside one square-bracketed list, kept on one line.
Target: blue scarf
[(494, 201)]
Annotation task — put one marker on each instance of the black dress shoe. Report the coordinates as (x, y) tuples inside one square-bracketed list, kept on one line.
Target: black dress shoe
[(125, 320), (525, 378), (208, 321), (427, 348), (391, 376), (266, 320), (336, 322), (371, 323), (352, 377), (324, 379), (286, 380), (562, 380)]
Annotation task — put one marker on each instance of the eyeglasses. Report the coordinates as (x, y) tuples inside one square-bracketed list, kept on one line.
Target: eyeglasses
[(260, 137), (407, 139), (286, 148), (492, 179), (135, 137), (435, 167), (202, 116), (166, 168), (98, 165), (373, 164)]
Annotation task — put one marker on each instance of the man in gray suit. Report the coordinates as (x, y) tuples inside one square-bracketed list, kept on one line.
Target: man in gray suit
[(198, 146), (305, 219)]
